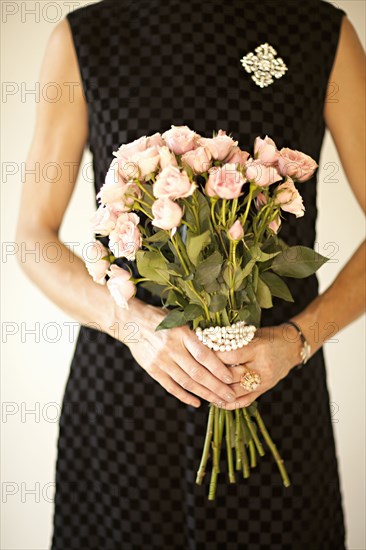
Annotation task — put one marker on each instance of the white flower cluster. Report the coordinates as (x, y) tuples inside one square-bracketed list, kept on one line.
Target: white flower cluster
[(226, 338)]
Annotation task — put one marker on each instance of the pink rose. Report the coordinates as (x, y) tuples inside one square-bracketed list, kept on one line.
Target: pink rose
[(96, 266), (236, 231), (114, 186), (261, 200), (295, 164), (120, 286), (261, 174), (167, 214), (125, 239), (140, 164), (180, 139), (265, 150), (290, 200), (155, 140), (224, 182), (167, 158), (104, 220), (237, 156), (172, 183), (275, 224), (127, 150), (219, 146), (199, 159), (116, 192)]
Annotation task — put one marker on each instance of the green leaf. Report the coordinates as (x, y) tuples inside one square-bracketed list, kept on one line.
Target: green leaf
[(195, 244), (248, 267), (175, 318), (244, 314), (264, 296), (224, 318), (152, 265), (255, 275), (218, 303), (298, 262), (153, 287), (159, 236), (172, 298), (214, 286), (204, 211), (208, 270), (261, 256), (188, 291), (192, 312), (175, 269), (277, 286)]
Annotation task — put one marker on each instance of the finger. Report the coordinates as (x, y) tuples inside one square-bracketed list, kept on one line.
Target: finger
[(199, 373), (238, 372), (189, 384), (240, 391), (206, 357), (242, 355), (244, 401), (173, 388)]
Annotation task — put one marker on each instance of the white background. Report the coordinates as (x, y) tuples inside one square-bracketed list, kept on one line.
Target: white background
[(34, 372)]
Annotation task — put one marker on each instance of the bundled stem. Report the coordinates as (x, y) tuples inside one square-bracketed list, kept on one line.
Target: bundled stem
[(247, 445)]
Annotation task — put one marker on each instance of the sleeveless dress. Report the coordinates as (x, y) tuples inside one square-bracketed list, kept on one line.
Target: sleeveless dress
[(127, 450)]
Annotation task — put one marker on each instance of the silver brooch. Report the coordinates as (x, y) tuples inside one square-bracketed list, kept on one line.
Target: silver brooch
[(264, 65)]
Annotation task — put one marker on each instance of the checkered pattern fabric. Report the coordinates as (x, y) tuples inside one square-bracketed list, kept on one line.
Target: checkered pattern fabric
[(128, 451)]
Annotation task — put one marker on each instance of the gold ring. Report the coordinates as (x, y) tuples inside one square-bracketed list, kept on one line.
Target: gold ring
[(250, 380)]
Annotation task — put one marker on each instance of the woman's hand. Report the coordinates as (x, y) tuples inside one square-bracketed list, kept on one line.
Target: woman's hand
[(178, 360), (272, 354)]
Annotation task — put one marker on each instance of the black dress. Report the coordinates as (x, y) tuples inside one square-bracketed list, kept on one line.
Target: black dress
[(128, 451)]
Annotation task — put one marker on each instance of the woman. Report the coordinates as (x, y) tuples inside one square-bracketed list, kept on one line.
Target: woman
[(131, 432)]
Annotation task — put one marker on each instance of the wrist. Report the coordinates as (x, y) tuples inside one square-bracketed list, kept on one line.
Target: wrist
[(140, 318), (300, 349)]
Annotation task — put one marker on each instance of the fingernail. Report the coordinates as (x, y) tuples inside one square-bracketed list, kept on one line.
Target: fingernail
[(230, 396), (228, 379)]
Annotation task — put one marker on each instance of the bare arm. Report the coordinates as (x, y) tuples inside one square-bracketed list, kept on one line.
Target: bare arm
[(175, 358), (344, 300), (60, 135)]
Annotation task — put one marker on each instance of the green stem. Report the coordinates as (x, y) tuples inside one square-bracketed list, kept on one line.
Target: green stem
[(180, 256), (253, 460), (229, 450), (232, 268), (238, 440), (140, 201), (234, 206), (250, 195), (140, 209), (273, 448), (251, 428), (217, 439), (246, 471), (216, 455), (223, 212), (206, 448), (189, 226), (137, 181)]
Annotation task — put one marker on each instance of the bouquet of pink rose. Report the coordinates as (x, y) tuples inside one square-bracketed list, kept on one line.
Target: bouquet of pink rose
[(198, 218)]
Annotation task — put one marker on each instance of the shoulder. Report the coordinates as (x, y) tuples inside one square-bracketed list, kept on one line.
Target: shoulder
[(96, 12)]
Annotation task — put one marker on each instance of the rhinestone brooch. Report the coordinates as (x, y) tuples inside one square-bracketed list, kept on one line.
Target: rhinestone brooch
[(264, 65)]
